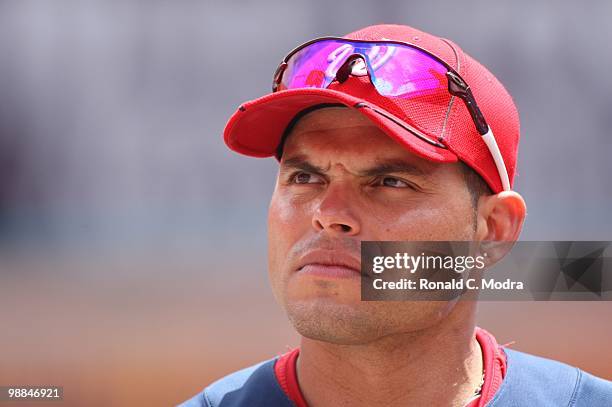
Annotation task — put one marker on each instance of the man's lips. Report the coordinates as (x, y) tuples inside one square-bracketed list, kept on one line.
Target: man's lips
[(328, 263)]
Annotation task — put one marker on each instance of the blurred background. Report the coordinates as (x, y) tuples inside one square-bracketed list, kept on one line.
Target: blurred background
[(133, 243)]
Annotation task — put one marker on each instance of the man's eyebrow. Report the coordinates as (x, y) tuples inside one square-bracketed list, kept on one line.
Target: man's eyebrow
[(387, 167), (395, 166), (301, 163)]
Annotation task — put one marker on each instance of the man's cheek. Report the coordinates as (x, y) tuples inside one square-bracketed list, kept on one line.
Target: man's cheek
[(435, 223), (415, 224), (282, 211), (277, 252), (277, 245), (283, 232)]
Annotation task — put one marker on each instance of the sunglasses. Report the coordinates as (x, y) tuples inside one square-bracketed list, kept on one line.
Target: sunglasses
[(396, 69)]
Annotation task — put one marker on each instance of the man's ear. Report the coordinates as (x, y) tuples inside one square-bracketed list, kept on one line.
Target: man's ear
[(500, 219)]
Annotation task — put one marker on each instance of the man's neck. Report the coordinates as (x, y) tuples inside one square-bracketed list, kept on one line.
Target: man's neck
[(437, 366)]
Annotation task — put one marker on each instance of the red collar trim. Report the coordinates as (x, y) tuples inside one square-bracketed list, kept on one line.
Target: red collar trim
[(493, 356)]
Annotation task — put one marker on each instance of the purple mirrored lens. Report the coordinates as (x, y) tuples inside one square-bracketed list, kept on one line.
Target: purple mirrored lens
[(403, 71), (396, 70), (316, 65)]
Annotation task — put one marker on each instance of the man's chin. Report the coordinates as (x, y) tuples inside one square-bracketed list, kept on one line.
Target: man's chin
[(330, 321), (312, 291)]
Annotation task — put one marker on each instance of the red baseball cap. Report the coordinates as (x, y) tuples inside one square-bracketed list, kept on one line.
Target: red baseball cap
[(256, 128)]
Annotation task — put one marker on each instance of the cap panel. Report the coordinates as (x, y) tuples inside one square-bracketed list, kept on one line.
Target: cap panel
[(426, 112)]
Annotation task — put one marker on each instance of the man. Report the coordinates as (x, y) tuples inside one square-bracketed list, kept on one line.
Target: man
[(389, 134)]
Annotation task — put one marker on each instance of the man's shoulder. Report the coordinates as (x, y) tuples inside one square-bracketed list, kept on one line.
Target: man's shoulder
[(256, 383), (534, 380), (222, 386)]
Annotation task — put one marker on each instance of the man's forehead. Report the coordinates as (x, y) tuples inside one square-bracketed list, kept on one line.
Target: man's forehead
[(343, 134), (338, 128)]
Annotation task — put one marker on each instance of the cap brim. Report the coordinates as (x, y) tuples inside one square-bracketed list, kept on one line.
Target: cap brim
[(256, 128)]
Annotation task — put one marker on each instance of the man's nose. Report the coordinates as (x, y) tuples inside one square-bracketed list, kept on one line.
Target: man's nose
[(336, 212)]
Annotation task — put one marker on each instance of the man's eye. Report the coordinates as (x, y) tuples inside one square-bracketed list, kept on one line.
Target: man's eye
[(393, 182), (306, 178)]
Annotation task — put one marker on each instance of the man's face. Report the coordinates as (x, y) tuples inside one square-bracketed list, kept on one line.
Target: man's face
[(343, 180)]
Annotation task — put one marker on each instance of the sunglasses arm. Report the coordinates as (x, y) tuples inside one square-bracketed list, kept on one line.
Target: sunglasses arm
[(278, 75), (458, 87), (489, 140)]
